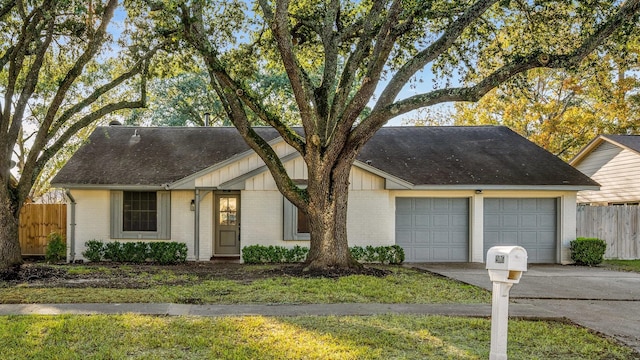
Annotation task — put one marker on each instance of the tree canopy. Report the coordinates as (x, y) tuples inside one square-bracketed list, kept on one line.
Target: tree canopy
[(344, 63), (563, 109), (340, 56), (61, 70)]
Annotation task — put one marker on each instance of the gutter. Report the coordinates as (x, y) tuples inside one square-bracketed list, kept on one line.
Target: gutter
[(72, 224)]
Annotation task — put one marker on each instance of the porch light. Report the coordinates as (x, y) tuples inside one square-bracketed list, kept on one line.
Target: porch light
[(192, 207)]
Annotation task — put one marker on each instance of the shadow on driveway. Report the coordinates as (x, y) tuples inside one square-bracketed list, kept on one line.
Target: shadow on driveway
[(603, 300)]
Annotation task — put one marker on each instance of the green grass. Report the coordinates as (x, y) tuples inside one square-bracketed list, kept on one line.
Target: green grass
[(623, 265), (401, 286), (366, 337)]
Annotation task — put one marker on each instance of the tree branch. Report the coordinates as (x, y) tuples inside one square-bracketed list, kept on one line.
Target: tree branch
[(48, 153), (302, 88), (453, 32), (367, 128), (230, 89), (95, 95)]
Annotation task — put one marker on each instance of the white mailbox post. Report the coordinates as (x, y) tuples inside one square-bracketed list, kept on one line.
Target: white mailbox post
[(505, 265)]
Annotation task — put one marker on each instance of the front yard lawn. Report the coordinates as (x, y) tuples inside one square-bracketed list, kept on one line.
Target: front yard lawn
[(623, 265), (305, 337), (229, 284)]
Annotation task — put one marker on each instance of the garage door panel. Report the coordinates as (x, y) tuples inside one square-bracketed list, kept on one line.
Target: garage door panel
[(546, 206), (528, 205), (404, 220), (439, 229), (421, 221), (460, 220), (547, 239), (530, 223), (441, 221), (546, 220), (441, 238), (509, 205), (459, 238), (421, 254), (403, 206), (528, 238), (509, 221), (403, 237), (421, 206)]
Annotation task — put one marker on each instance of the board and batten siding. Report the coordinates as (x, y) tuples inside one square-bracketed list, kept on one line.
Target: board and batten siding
[(360, 180), (240, 167), (616, 169)]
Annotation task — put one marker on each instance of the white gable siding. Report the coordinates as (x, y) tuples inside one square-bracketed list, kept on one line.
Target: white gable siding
[(617, 170), (297, 169), (240, 167)]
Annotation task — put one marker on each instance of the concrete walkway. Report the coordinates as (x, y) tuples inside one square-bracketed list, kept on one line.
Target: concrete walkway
[(603, 300), (480, 310)]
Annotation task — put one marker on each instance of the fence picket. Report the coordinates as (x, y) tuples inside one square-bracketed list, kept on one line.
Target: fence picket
[(616, 225), (37, 221)]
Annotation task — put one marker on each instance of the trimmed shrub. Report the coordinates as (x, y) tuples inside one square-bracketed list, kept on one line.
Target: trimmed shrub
[(95, 250), (166, 253), (56, 249), (113, 252), (588, 251), (378, 254), (259, 254), (136, 252)]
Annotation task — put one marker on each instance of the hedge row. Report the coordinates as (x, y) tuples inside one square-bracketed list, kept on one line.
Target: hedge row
[(259, 254), (136, 252)]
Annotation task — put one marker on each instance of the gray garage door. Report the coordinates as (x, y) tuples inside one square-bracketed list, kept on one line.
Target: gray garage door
[(433, 229), (530, 223)]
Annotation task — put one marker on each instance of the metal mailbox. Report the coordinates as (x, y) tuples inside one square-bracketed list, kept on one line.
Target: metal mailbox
[(506, 263)]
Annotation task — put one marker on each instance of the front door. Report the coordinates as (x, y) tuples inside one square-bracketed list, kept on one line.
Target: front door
[(227, 228)]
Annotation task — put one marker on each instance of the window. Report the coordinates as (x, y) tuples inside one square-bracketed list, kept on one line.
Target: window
[(303, 222), (139, 211), (296, 223), (140, 214)]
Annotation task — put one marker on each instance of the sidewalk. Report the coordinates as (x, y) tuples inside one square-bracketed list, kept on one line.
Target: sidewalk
[(479, 310)]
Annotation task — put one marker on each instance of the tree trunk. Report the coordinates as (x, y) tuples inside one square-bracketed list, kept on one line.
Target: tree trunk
[(10, 253), (327, 214)]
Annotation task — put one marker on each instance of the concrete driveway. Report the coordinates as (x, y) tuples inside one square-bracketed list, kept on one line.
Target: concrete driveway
[(603, 300)]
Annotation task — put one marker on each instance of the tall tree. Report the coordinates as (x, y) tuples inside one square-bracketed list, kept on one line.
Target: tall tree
[(563, 109), (365, 51), (58, 74)]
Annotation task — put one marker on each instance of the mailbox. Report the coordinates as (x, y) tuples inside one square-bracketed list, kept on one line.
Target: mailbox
[(506, 263)]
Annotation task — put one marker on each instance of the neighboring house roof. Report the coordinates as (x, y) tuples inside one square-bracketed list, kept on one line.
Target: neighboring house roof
[(476, 155), (631, 142)]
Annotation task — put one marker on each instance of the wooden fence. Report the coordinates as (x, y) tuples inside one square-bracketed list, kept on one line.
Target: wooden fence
[(617, 225), (37, 221)]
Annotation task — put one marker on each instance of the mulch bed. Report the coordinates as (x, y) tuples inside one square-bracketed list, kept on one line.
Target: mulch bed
[(132, 276)]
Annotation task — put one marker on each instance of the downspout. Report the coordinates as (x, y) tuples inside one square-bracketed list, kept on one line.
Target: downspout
[(72, 225), (196, 230)]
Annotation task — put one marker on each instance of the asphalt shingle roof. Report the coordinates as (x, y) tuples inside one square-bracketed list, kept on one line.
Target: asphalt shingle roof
[(419, 155), (630, 141)]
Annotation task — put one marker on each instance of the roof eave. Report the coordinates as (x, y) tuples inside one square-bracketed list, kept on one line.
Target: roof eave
[(506, 187), (109, 187)]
